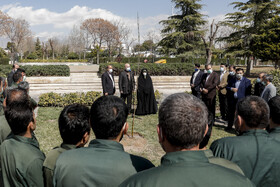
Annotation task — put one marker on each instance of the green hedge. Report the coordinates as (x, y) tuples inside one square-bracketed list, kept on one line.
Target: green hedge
[(60, 100), (4, 61), (37, 71), (179, 69), (276, 80), (48, 70), (53, 60)]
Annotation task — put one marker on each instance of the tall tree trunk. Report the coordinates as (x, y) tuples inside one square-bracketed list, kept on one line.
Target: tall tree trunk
[(249, 66), (53, 54), (208, 55), (97, 60)]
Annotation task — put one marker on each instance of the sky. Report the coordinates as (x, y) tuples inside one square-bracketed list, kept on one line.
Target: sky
[(55, 18)]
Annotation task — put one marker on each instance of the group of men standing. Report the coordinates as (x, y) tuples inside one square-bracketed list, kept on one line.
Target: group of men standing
[(126, 83), (231, 86)]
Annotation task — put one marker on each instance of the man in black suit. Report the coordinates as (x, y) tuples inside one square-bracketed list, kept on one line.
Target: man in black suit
[(108, 82), (10, 76), (127, 85), (196, 81)]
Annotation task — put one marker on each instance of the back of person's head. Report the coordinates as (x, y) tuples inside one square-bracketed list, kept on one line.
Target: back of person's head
[(268, 78), (183, 119), (74, 123), (197, 65), (23, 85), (274, 106), (108, 116), (254, 111), (20, 70), (17, 76), (18, 111)]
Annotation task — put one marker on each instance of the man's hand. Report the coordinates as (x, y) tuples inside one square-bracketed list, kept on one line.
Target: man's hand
[(121, 92), (192, 85), (234, 90), (205, 91), (106, 93)]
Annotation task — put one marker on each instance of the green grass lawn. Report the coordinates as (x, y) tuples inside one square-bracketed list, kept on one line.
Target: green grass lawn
[(48, 136)]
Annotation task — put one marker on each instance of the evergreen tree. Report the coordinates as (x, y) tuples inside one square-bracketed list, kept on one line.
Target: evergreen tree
[(38, 48), (247, 23), (182, 31), (266, 44)]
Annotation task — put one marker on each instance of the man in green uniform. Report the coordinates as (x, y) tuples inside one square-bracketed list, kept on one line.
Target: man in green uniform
[(5, 129), (182, 125), (17, 78), (104, 162), (20, 156), (274, 106), (74, 130), (25, 86), (254, 151)]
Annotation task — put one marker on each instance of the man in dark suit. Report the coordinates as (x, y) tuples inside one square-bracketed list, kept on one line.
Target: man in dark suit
[(10, 76), (240, 87), (210, 82), (127, 85), (259, 86), (196, 81), (108, 82)]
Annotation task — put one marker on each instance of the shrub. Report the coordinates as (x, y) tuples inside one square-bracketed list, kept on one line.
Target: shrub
[(61, 100), (37, 71), (73, 55), (48, 70), (4, 61), (32, 55), (276, 80), (179, 69)]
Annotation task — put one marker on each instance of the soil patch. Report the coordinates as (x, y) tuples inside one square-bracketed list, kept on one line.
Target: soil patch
[(137, 143)]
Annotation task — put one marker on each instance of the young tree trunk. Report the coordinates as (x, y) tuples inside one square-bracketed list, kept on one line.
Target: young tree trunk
[(97, 60), (53, 54)]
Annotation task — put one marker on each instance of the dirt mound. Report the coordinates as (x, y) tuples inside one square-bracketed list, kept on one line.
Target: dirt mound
[(137, 143)]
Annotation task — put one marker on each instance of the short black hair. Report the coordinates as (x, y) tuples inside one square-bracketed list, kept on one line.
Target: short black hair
[(23, 85), (223, 64), (232, 66), (197, 65), (108, 115), (274, 106), (18, 111), (254, 111), (239, 69), (20, 70), (73, 123), (183, 119), (17, 76)]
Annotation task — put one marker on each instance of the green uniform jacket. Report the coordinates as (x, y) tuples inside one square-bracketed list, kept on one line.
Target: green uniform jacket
[(255, 152), (5, 129), (21, 162), (49, 163), (187, 168), (103, 163), (222, 162), (275, 133)]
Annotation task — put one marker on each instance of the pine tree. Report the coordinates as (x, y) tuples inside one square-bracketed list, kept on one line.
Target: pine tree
[(181, 32), (247, 23), (38, 49), (266, 44)]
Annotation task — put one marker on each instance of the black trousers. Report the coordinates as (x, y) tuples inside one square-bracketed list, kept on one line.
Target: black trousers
[(196, 93), (211, 106), (223, 106), (127, 98), (231, 110)]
